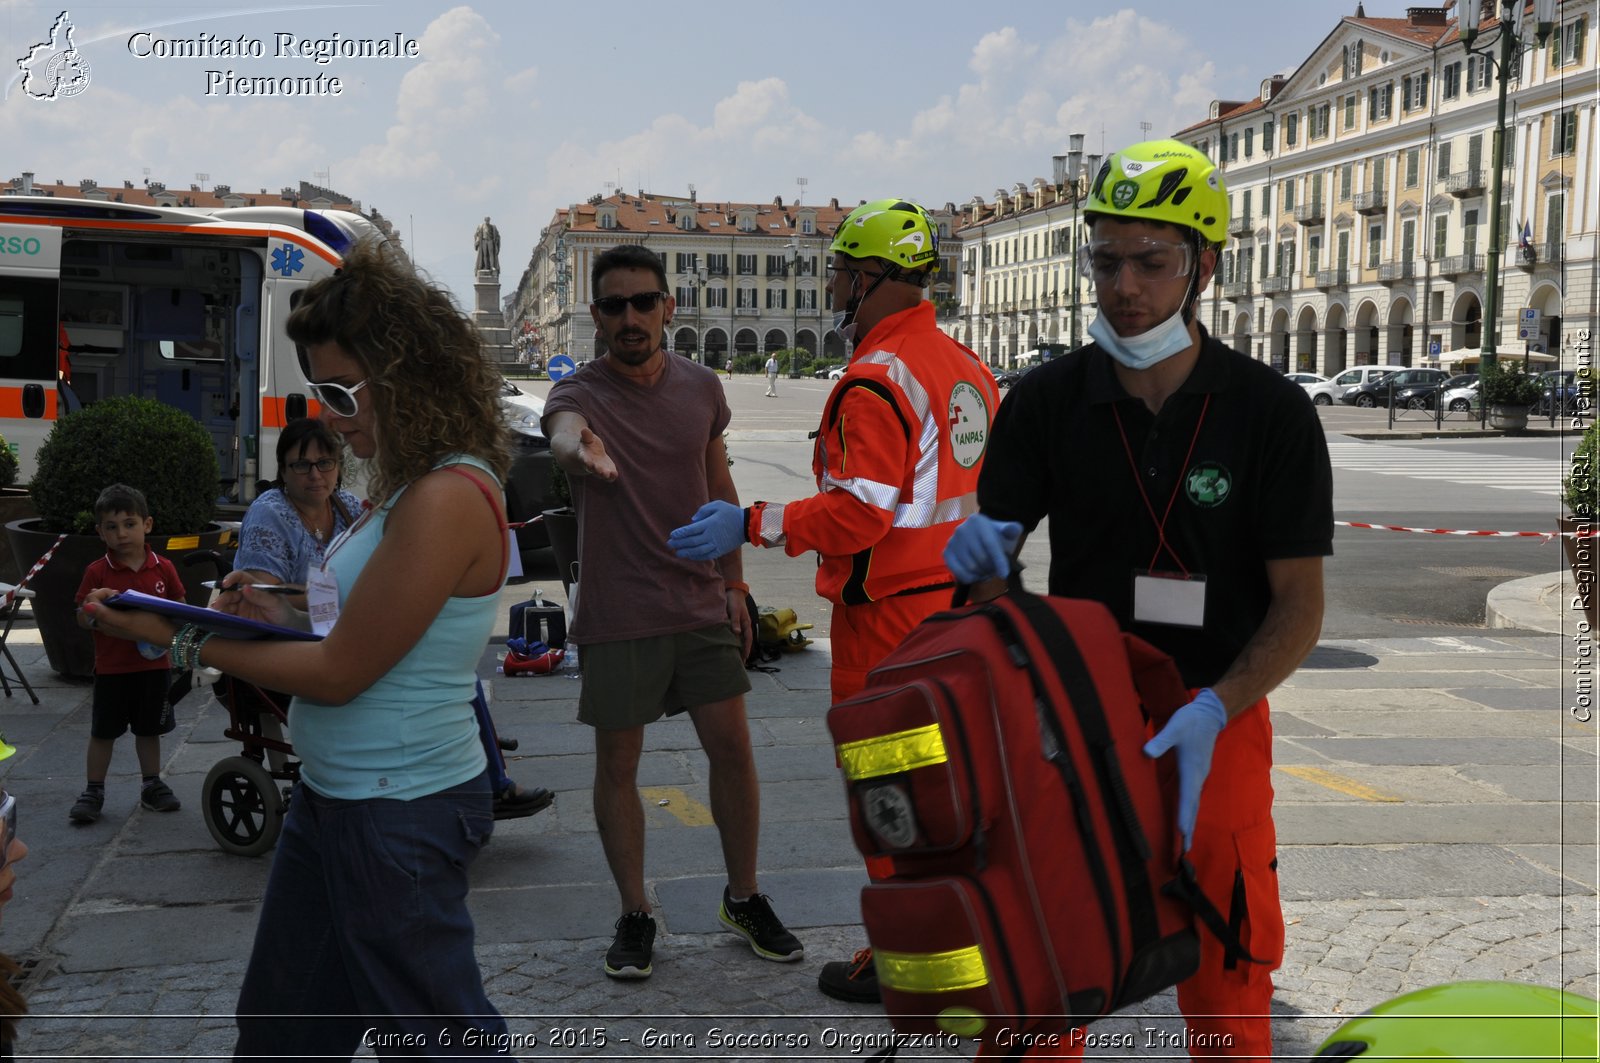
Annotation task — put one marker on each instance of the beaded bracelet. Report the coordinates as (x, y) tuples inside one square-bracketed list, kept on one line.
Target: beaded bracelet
[(195, 646), (181, 640)]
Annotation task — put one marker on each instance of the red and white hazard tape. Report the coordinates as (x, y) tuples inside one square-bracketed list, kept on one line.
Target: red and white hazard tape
[(1546, 535), (44, 559), (515, 524)]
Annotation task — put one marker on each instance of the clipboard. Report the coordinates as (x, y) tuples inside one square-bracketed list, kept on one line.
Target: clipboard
[(225, 624)]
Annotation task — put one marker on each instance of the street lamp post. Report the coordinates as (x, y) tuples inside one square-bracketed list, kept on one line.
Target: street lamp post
[(1509, 42), (699, 309), (793, 247), (1069, 168)]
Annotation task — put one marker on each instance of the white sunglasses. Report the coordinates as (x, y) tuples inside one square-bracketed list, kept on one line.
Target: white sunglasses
[(338, 398)]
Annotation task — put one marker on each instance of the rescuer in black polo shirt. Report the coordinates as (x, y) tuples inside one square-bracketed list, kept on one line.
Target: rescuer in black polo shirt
[(1188, 488)]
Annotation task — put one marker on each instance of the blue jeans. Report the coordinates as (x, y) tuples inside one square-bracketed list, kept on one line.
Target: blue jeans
[(364, 935)]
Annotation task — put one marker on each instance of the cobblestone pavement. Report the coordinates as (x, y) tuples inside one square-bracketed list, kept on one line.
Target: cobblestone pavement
[(1436, 810)]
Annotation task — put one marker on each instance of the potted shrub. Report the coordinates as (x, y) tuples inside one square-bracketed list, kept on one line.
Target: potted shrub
[(15, 503), (140, 442), (1580, 492), (1509, 393)]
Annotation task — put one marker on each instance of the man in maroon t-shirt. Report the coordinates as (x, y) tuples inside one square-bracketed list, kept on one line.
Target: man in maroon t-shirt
[(639, 432)]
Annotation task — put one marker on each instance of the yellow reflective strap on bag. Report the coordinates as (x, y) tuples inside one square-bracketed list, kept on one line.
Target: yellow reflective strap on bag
[(931, 972), (889, 754)]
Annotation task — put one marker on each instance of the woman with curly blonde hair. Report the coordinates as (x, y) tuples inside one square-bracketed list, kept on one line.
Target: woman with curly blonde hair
[(364, 931)]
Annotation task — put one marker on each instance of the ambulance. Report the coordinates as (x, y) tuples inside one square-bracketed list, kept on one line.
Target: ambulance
[(183, 305)]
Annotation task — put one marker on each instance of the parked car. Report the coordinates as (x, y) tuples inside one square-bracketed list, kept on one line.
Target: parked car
[(1007, 377), (1376, 392), (825, 372), (1422, 396), (1325, 394), (1463, 399), (1560, 387), (1307, 379), (836, 372)]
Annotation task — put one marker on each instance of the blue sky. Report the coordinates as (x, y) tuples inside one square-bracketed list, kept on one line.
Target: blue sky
[(514, 110)]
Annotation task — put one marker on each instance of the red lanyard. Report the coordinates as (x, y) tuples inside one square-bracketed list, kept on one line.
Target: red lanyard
[(1138, 481)]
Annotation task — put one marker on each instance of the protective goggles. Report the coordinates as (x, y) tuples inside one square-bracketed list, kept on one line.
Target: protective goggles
[(8, 823), (1150, 260), (340, 400), (644, 302), (321, 464)]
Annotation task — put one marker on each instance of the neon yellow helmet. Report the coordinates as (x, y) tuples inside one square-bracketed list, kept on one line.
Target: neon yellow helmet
[(895, 230), (6, 750), (1166, 181)]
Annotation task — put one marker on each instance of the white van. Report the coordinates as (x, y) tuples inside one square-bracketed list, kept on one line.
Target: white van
[(1328, 392)]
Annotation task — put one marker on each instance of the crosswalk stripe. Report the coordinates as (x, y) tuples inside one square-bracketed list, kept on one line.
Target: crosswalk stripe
[(1500, 472)]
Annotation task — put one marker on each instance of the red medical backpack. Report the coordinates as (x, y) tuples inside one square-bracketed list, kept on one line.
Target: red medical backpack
[(996, 757)]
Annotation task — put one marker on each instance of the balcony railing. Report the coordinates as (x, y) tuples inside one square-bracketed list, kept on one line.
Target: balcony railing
[(1390, 272), (1237, 288), (1465, 183), (1332, 278), (1240, 226), (1371, 202), (1269, 285), (1547, 253), (746, 311), (1311, 213), (1455, 265)]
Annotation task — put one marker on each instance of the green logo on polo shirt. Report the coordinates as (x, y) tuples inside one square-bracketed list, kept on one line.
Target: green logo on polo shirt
[(968, 418), (1208, 484)]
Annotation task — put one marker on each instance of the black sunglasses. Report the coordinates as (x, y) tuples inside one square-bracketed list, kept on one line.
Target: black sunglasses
[(644, 302)]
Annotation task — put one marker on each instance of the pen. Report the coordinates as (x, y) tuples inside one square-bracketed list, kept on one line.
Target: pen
[(269, 588)]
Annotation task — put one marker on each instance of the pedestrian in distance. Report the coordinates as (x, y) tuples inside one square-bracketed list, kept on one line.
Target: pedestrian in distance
[(730, 368), (130, 688), (364, 932), (1188, 489), (639, 435), (286, 532), (896, 462), (772, 376)]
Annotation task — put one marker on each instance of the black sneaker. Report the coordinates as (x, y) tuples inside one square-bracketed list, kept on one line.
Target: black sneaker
[(87, 808), (760, 925), (629, 954), (854, 980), (158, 797)]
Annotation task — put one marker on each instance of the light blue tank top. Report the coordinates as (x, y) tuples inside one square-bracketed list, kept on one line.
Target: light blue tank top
[(412, 732)]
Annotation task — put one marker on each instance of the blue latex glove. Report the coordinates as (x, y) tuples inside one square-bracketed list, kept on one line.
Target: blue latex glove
[(716, 529), (1192, 731), (981, 548)]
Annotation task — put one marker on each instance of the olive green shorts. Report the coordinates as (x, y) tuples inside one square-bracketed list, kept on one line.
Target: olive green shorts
[(633, 682)]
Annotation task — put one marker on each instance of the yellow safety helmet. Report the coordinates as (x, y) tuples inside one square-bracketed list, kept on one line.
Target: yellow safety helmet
[(5, 750), (1166, 181), (895, 230)]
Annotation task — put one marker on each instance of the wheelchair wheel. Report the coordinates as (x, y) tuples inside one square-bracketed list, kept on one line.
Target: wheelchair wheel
[(243, 808)]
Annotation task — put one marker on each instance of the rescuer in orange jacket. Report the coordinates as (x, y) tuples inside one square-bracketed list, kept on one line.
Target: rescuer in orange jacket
[(896, 460)]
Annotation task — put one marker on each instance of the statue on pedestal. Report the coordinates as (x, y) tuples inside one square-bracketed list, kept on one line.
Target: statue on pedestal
[(487, 242)]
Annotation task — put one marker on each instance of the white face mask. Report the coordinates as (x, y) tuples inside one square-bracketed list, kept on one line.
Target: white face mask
[(1147, 348), (847, 331)]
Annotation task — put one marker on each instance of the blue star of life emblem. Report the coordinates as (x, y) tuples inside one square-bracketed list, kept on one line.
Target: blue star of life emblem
[(288, 259)]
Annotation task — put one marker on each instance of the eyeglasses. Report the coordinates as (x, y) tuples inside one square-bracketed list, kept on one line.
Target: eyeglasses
[(8, 816), (338, 398), (834, 271), (321, 465), (644, 302), (1150, 260)]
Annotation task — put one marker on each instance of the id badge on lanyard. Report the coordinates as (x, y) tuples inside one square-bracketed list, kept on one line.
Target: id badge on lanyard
[(322, 587), (1165, 597)]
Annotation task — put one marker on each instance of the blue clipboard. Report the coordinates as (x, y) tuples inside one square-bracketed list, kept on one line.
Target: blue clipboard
[(225, 624)]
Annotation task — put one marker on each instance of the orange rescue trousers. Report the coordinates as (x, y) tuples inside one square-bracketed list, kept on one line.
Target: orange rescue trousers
[(1226, 1004)]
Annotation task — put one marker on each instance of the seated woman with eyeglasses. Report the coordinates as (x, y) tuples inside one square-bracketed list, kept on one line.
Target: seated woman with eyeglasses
[(287, 530), (364, 932)]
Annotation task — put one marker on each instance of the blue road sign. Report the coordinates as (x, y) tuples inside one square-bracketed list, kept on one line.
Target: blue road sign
[(1434, 348), (560, 366)]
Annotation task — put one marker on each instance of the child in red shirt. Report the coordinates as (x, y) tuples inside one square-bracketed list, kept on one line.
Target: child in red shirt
[(130, 690)]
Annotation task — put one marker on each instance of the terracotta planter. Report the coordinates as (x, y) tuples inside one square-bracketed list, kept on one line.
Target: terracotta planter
[(562, 524), (1508, 418), (69, 647), (1583, 558)]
